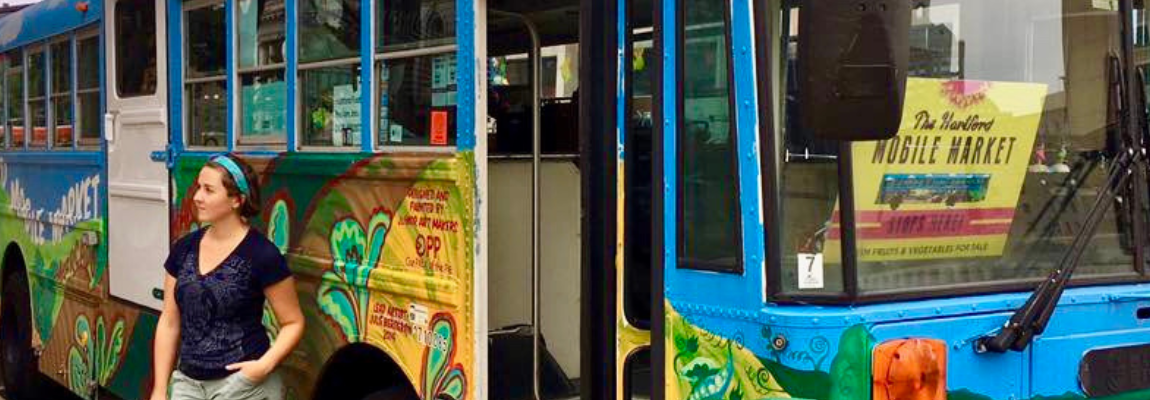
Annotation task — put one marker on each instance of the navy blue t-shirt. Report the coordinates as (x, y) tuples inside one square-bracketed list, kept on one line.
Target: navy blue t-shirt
[(221, 313)]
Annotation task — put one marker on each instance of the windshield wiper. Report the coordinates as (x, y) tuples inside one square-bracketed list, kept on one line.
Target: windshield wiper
[(1032, 318)]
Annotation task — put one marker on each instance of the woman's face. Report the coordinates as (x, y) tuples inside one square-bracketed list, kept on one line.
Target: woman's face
[(212, 201)]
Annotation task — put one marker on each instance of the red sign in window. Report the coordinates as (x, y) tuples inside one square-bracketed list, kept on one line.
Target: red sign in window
[(439, 128)]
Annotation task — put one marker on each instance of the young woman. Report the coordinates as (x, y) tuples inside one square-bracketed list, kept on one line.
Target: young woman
[(218, 279)]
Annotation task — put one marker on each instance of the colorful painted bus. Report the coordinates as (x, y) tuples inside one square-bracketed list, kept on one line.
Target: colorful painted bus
[(595, 199)]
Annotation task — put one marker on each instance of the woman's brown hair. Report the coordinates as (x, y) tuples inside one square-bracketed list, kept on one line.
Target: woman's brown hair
[(249, 203)]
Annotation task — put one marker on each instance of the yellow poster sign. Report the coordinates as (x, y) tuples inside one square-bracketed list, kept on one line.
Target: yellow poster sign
[(948, 184)]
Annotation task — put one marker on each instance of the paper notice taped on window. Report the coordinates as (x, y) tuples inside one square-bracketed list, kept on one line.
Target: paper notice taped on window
[(810, 271)]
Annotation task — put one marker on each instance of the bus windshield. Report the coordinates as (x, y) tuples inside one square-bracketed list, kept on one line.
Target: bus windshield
[(1008, 128)]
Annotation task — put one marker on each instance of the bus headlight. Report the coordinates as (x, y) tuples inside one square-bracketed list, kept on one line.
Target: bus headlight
[(909, 369)]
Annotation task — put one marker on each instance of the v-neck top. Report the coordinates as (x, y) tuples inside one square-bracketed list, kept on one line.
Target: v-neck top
[(221, 312)]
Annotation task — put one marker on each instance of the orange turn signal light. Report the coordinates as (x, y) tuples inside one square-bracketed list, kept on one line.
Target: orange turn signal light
[(909, 369)]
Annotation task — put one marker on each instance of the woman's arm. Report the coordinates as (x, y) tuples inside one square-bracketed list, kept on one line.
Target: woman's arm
[(167, 337), (285, 304)]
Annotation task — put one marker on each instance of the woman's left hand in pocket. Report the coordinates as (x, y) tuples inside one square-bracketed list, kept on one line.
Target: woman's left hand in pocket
[(256, 370)]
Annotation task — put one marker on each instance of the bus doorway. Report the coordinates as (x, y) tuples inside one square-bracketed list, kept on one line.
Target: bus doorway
[(534, 200), (569, 211)]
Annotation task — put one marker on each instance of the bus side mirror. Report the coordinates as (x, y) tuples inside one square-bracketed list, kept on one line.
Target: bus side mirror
[(853, 58)]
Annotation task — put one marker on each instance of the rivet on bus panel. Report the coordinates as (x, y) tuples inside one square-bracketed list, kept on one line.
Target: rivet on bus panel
[(779, 343)]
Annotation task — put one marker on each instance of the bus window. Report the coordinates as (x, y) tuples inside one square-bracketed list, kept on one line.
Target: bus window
[(417, 94), (204, 75), (135, 48), (330, 73), (1030, 74), (708, 208), (62, 93), (637, 174), (510, 99), (415, 24), (37, 97), (809, 185), (417, 106), (331, 106), (88, 88), (263, 92), (15, 97)]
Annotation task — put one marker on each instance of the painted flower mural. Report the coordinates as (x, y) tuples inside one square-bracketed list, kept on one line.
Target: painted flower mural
[(343, 294), (443, 378), (94, 356)]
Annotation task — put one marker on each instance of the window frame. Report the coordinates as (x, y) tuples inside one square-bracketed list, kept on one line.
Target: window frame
[(238, 142), (19, 53), (31, 50), (53, 94), (77, 122), (186, 81), (680, 131), (769, 79)]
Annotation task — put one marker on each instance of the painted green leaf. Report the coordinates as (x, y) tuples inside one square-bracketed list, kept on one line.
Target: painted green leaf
[(697, 371), (77, 371)]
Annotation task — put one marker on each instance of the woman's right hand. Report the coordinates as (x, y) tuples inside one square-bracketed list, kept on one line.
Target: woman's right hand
[(160, 395)]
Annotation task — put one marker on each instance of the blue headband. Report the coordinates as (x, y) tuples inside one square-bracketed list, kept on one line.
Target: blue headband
[(235, 171)]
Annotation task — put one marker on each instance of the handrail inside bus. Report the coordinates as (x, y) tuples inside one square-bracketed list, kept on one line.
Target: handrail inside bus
[(536, 102)]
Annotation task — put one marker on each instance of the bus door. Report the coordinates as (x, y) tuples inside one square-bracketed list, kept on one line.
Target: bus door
[(711, 244), (136, 132)]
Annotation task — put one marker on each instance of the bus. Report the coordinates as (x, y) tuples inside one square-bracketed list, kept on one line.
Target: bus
[(596, 199)]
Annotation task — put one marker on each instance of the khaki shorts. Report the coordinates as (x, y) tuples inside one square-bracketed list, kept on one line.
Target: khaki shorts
[(234, 387)]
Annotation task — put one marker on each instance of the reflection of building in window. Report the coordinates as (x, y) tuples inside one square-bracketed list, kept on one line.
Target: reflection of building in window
[(407, 24), (271, 32), (329, 29), (931, 51)]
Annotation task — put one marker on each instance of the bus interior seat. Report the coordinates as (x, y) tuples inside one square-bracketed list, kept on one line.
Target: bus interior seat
[(509, 355)]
